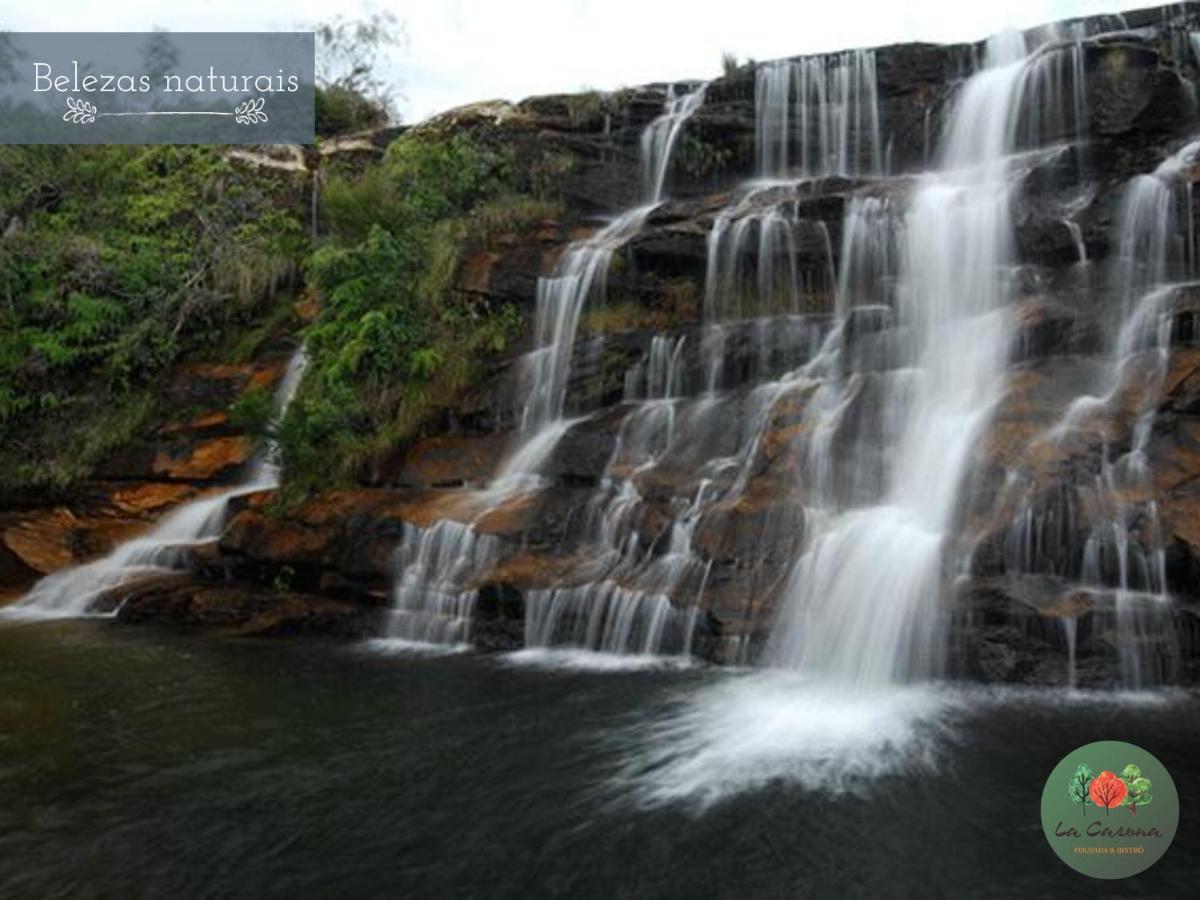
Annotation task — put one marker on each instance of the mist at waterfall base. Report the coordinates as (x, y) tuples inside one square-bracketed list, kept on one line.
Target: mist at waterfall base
[(141, 764)]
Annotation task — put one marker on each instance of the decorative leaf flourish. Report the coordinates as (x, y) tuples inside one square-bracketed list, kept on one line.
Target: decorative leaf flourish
[(1107, 790), (250, 112), (79, 112)]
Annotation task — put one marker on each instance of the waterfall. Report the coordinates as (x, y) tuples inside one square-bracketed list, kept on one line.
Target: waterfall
[(581, 273), (1119, 558), (813, 443), (438, 568), (818, 116), (864, 603), (629, 611), (168, 545), (658, 140), (660, 375), (761, 286), (431, 606)]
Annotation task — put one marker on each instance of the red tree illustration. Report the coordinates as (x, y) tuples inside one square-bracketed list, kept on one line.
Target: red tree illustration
[(1107, 790)]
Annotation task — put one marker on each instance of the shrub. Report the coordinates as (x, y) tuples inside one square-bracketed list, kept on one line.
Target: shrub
[(342, 110), (394, 343), (115, 263)]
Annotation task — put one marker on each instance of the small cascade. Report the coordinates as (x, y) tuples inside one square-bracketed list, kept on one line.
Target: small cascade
[(1053, 101), (872, 243), (754, 261), (165, 547), (580, 274), (763, 295), (818, 116), (1077, 241), (430, 604), (630, 610), (1070, 633), (660, 375), (659, 139)]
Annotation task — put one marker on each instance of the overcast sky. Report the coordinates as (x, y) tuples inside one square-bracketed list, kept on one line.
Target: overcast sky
[(459, 51)]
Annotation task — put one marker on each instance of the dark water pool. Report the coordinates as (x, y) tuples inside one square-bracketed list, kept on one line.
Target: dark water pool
[(138, 764)]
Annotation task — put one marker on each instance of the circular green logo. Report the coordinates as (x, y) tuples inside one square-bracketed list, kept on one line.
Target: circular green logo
[(1109, 809)]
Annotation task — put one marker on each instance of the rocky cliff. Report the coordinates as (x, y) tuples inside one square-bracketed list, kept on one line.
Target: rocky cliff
[(680, 490)]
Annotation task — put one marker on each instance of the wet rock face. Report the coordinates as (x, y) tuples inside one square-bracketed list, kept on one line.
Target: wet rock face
[(242, 609), (195, 452), (716, 451)]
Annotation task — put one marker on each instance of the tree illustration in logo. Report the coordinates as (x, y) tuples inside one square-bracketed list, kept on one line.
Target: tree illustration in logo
[(1077, 788), (1137, 788), (1107, 791)]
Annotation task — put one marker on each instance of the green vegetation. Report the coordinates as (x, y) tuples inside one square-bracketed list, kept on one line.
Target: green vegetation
[(395, 343), (586, 107), (118, 263), (115, 263), (340, 110), (350, 95), (613, 318), (701, 159)]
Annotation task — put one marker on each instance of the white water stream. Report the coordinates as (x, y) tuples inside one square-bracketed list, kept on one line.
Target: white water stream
[(168, 544)]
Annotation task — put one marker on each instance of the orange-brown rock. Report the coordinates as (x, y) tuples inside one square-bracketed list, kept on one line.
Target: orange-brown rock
[(242, 609), (202, 422), (534, 571), (203, 461), (148, 499), (41, 541), (452, 460), (760, 524), (353, 532), (44, 541)]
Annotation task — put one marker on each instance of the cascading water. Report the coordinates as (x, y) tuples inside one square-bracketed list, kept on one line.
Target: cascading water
[(896, 398), (865, 361), (760, 283), (434, 593), (580, 274), (864, 601), (1119, 559), (166, 546), (582, 271), (659, 139), (818, 116)]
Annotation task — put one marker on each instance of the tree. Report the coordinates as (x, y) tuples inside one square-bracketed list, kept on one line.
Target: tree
[(1077, 787), (348, 59), (1107, 790), (1137, 788), (159, 55)]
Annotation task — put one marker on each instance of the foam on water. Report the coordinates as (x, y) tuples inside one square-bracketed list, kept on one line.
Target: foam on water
[(749, 730), (402, 647), (591, 660)]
